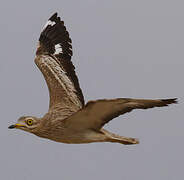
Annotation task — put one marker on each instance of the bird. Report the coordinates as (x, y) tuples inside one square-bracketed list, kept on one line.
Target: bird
[(69, 119)]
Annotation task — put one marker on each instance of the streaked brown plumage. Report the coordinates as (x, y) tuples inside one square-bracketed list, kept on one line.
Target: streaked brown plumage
[(69, 120)]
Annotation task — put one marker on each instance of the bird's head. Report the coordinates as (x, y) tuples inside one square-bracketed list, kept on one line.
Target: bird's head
[(27, 123)]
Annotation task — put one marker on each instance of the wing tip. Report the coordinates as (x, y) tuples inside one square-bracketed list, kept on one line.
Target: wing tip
[(54, 39), (170, 101), (54, 17)]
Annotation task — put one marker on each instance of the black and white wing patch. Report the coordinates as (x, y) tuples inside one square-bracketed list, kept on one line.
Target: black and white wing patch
[(54, 54), (55, 38)]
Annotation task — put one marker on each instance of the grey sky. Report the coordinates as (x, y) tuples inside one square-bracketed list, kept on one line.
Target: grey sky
[(121, 49)]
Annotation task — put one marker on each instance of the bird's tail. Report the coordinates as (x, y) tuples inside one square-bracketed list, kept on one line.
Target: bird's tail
[(111, 137)]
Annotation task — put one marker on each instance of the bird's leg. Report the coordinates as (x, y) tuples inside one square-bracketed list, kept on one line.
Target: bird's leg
[(111, 137)]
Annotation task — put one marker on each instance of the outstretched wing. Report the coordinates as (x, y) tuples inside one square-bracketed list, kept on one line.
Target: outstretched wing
[(53, 58), (97, 113)]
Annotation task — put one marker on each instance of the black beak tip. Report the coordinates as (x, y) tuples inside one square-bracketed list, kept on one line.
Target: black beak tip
[(11, 127)]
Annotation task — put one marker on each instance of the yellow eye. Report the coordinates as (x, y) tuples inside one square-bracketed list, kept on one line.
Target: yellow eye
[(29, 122)]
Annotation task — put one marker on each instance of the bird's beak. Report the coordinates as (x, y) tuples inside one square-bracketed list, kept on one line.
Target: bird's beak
[(12, 126), (15, 126)]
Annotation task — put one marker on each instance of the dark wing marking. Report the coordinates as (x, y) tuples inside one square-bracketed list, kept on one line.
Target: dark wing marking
[(55, 38), (96, 114), (54, 56)]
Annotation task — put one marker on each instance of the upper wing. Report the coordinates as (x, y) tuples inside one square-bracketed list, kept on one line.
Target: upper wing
[(53, 58), (97, 113)]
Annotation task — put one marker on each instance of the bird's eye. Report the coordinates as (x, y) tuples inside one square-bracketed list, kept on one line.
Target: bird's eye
[(29, 122)]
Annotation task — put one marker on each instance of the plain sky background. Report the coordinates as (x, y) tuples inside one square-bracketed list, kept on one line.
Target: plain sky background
[(132, 48)]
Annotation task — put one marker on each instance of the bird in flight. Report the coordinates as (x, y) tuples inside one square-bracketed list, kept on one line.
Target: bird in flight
[(69, 119)]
